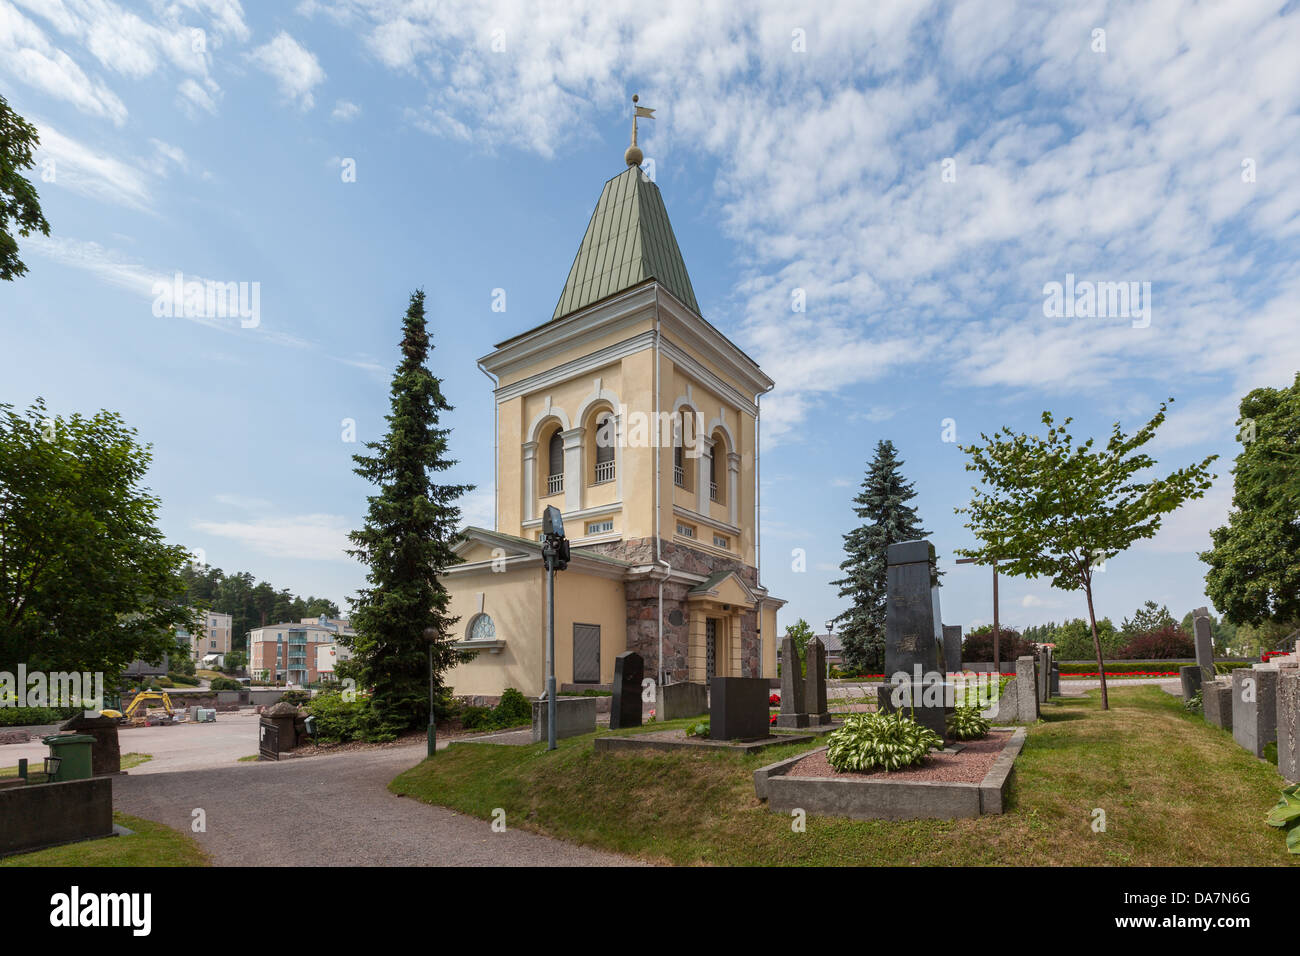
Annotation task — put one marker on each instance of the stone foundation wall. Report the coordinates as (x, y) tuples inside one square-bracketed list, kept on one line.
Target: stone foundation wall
[(643, 606)]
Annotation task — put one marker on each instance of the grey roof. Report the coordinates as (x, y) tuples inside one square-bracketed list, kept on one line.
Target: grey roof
[(629, 240)]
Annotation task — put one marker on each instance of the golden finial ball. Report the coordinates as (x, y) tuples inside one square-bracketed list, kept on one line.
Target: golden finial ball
[(633, 156)]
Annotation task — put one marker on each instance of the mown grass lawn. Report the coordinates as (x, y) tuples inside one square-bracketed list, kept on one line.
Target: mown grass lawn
[(150, 844), (1175, 790)]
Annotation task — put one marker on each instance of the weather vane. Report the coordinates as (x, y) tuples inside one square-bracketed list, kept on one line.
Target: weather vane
[(633, 154)]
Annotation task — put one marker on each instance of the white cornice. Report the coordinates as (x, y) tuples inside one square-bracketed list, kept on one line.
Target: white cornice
[(714, 523)]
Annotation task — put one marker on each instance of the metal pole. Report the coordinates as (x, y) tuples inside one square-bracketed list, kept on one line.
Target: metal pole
[(433, 727), (550, 654), (997, 660)]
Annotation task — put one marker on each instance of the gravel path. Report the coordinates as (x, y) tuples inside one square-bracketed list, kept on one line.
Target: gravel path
[(1076, 688), (333, 811)]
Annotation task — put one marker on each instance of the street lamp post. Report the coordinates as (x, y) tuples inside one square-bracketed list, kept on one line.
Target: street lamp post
[(431, 635), (830, 632), (555, 556)]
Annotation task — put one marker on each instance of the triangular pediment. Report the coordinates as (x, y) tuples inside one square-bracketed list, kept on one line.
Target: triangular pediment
[(724, 587)]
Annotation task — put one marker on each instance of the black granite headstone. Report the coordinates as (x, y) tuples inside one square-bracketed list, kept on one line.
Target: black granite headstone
[(815, 683), (952, 647), (913, 631), (793, 713), (738, 708), (625, 708)]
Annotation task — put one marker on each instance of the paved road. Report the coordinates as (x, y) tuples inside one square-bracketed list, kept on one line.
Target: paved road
[(333, 811), (177, 747), (1077, 687)]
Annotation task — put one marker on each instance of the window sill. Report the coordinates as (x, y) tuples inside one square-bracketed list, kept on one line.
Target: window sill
[(492, 647)]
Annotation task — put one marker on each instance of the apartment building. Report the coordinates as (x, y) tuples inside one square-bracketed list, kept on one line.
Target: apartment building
[(209, 637), (291, 652)]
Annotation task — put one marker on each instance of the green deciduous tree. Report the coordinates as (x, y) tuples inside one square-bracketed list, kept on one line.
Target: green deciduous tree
[(20, 209), (1254, 573), (87, 582), (882, 506), (1050, 507), (411, 526)]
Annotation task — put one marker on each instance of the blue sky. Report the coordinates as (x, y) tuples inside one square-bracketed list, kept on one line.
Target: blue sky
[(796, 150)]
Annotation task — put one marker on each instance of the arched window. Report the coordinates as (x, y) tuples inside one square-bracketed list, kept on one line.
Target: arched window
[(481, 628), (679, 467), (718, 469), (605, 441), (555, 468)]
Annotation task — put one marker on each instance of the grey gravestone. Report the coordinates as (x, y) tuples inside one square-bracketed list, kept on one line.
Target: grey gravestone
[(1056, 679), (952, 648), (913, 630), (1026, 689), (1216, 703), (1044, 674), (1254, 707), (815, 684), (738, 708), (1288, 723), (1191, 680), (1204, 643), (625, 708), (792, 713)]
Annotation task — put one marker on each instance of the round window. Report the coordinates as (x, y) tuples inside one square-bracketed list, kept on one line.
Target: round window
[(482, 629)]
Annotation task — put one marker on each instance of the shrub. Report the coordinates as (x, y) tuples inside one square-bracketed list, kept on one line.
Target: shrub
[(225, 683), (184, 679), (885, 741), (294, 697), (1286, 816), (31, 716), (340, 720), (513, 710), (1169, 641), (965, 723), (1195, 704), (978, 645), (698, 730)]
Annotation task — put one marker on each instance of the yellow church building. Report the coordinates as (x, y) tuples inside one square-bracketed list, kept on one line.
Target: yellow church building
[(639, 420)]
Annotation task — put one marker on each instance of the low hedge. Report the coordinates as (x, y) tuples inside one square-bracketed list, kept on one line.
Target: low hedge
[(32, 716)]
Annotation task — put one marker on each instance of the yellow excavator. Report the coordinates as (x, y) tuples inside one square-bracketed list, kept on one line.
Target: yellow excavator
[(141, 700)]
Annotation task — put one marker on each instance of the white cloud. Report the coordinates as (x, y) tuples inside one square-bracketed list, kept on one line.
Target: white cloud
[(345, 110), (1116, 166), (27, 53), (294, 68), (89, 172), (319, 537)]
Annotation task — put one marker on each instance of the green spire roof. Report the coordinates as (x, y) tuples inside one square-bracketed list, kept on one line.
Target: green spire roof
[(628, 240)]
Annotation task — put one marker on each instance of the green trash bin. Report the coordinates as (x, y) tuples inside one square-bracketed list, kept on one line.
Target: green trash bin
[(74, 753)]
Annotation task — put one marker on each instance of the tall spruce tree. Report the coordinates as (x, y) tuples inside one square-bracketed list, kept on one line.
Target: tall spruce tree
[(411, 526), (888, 519)]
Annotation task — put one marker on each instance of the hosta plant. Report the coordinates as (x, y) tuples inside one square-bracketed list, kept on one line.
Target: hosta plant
[(700, 729), (1286, 816), (965, 723), (880, 742)]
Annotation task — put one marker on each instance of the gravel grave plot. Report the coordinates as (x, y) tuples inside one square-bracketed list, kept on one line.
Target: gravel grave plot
[(966, 766)]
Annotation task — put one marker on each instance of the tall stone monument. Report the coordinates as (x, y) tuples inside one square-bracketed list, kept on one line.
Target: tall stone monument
[(1204, 643), (625, 708), (914, 662), (793, 713), (815, 684)]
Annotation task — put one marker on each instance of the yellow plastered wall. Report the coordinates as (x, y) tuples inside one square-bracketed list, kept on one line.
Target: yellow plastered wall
[(770, 639), (514, 600)]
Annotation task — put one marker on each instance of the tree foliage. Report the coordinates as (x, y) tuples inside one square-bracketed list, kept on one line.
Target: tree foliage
[(882, 506), (1049, 507), (977, 645), (1149, 617), (87, 582), (20, 209), (1254, 564), (249, 602), (411, 526)]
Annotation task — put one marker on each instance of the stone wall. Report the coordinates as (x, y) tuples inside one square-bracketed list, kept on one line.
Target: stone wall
[(643, 605)]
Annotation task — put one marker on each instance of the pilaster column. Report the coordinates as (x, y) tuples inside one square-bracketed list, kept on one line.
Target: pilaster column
[(573, 468), (702, 472), (528, 505), (733, 488)]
